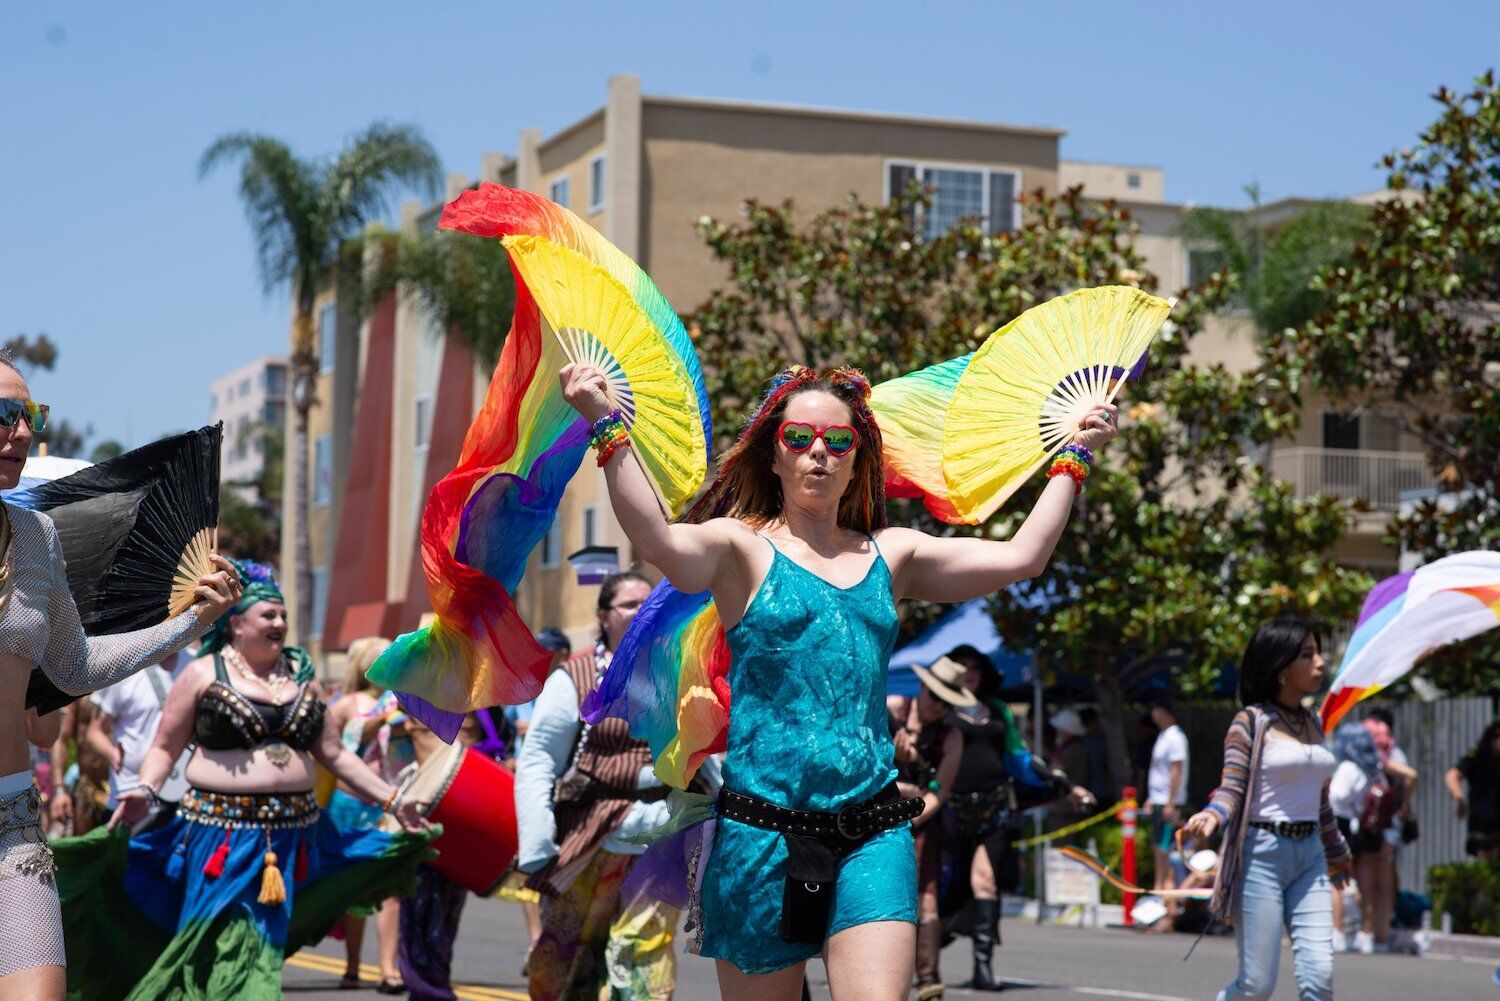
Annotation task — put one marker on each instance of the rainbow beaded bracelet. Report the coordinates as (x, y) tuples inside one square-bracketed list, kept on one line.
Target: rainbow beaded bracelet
[(1073, 461)]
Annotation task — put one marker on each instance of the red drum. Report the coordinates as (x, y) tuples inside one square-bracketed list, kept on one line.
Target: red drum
[(473, 797)]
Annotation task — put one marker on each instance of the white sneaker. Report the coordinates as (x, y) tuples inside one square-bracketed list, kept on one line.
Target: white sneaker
[(1340, 942), (1364, 943)]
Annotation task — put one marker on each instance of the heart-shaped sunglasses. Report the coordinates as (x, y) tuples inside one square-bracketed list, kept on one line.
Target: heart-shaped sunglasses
[(799, 436)]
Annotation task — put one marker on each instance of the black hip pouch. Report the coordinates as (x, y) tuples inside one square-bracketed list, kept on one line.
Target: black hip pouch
[(812, 870)]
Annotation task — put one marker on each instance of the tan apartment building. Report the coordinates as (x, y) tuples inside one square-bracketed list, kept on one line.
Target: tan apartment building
[(643, 170)]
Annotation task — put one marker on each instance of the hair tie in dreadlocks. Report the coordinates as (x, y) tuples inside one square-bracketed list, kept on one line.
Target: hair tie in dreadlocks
[(852, 378)]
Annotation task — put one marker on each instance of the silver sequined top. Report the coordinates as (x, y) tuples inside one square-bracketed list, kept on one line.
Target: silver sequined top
[(40, 621)]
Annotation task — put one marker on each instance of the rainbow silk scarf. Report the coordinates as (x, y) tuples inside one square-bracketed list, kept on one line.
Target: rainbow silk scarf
[(485, 517)]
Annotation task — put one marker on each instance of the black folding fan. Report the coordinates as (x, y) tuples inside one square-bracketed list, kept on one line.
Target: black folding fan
[(136, 532)]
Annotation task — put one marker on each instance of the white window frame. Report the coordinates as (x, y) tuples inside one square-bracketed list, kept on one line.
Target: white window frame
[(319, 608), (596, 191), (320, 496), (549, 550), (327, 338), (563, 181), (588, 526), (921, 166)]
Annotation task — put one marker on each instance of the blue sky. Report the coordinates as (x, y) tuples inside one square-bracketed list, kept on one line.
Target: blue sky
[(145, 277)]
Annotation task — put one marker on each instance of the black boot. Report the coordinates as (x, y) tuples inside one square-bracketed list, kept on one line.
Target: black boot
[(986, 931)]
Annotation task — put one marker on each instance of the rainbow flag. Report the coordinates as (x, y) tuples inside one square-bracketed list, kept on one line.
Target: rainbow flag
[(1407, 617), (909, 412)]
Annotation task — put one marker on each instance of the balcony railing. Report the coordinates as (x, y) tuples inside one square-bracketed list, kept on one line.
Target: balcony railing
[(1379, 478)]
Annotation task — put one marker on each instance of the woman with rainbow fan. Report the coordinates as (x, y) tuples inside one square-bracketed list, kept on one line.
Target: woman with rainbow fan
[(810, 850)]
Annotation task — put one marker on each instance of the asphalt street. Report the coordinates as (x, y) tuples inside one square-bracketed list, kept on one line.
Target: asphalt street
[(1039, 963)]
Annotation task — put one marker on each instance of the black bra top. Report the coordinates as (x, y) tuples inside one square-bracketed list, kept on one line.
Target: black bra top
[(227, 720)]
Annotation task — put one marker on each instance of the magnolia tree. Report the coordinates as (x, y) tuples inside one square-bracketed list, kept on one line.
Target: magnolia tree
[(1411, 323), (1181, 545)]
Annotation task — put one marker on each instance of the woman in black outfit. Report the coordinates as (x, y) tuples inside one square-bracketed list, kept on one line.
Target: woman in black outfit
[(1480, 769), (997, 777)]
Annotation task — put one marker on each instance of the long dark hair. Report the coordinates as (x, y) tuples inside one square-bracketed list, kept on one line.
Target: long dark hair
[(988, 689), (747, 489), (1486, 749), (1275, 645)]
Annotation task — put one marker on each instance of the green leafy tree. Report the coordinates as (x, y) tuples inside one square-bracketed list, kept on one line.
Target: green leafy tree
[(1273, 262), (106, 450), (1412, 320), (1181, 543), (462, 283), (301, 210)]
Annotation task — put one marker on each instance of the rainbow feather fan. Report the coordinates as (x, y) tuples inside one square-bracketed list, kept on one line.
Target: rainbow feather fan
[(485, 517)]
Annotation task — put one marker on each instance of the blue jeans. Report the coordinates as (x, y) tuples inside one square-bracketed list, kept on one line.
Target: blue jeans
[(1285, 883)]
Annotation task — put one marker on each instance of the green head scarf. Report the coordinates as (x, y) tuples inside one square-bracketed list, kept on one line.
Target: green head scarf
[(260, 585)]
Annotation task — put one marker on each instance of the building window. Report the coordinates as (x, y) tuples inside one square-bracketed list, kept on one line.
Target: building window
[(596, 184), (319, 601), (1202, 263), (551, 546), (245, 386), (327, 336), (322, 491), (272, 414), (424, 421), (590, 526), (1132, 180), (959, 193), (558, 191), (1371, 432), (275, 381)]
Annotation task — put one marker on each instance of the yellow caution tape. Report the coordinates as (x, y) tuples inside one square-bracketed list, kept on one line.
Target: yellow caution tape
[(1063, 832)]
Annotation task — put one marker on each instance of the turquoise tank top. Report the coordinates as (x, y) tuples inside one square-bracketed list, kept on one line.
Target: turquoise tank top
[(807, 726)]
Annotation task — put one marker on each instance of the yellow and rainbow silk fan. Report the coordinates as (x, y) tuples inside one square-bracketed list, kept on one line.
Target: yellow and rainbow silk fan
[(598, 323), (1026, 391)]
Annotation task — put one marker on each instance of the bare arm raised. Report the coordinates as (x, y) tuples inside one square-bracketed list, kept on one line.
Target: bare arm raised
[(693, 557), (930, 568)]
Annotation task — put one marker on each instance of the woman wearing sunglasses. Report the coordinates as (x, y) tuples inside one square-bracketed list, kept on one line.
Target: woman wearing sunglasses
[(812, 852), (40, 627)]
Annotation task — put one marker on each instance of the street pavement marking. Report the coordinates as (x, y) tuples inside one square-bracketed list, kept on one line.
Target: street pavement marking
[(468, 992), (1107, 992)]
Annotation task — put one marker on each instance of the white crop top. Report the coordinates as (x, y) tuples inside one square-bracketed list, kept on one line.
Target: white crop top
[(40, 621), (1289, 784)]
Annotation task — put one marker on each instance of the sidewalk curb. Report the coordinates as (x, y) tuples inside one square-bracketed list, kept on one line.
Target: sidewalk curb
[(1452, 946)]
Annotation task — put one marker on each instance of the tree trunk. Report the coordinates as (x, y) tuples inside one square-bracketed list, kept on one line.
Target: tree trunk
[(304, 372), (302, 541), (1116, 729)]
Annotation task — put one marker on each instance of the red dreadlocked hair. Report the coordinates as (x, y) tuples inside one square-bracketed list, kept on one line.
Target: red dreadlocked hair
[(746, 489)]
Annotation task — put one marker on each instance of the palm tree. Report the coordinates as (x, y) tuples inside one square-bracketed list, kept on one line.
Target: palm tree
[(301, 211), (462, 283)]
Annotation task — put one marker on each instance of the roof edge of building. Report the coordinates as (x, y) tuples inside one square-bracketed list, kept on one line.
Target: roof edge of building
[(709, 103)]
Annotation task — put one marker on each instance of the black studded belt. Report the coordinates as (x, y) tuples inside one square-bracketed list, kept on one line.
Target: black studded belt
[(855, 822), (1295, 829), (816, 845)]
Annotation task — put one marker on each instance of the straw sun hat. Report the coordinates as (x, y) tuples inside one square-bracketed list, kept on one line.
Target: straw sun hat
[(945, 679)]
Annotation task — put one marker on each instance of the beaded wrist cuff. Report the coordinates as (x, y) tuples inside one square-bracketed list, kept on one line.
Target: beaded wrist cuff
[(608, 434), (1073, 461)]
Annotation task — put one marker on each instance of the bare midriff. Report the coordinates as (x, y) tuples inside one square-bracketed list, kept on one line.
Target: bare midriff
[(15, 755), (252, 771)]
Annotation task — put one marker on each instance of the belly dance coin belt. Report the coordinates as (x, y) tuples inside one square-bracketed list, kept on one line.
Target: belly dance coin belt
[(244, 811), (235, 811), (816, 843), (23, 845)]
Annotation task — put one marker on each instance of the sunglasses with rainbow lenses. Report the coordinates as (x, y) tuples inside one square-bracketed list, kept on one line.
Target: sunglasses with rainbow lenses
[(35, 413), (799, 436)]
